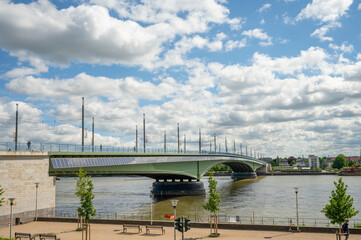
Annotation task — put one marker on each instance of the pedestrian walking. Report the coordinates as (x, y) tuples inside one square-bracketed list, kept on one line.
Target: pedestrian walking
[(29, 145)]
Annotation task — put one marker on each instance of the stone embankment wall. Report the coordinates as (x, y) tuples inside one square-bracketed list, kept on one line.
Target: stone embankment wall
[(19, 171)]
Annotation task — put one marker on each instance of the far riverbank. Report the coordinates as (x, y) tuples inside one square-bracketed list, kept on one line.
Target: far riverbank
[(296, 173), (221, 173)]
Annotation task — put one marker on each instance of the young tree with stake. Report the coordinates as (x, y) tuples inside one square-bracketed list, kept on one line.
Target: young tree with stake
[(213, 204), (84, 190), (340, 207)]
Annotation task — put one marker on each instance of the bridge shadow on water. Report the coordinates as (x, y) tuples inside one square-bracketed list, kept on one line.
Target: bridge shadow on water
[(233, 188)]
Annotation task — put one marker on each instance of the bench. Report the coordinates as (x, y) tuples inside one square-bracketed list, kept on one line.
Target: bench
[(19, 235), (149, 227), (339, 235), (44, 236), (128, 226)]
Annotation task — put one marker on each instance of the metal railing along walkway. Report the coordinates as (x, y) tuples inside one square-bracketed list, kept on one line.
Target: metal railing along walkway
[(54, 147)]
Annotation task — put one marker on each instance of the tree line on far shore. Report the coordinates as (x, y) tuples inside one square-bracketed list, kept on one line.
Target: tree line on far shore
[(339, 162)]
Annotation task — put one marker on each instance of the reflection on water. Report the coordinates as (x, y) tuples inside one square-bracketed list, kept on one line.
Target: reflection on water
[(268, 196)]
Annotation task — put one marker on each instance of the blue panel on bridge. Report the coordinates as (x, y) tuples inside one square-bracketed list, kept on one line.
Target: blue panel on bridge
[(89, 162)]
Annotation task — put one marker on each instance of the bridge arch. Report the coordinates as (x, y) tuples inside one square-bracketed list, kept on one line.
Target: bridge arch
[(236, 165)]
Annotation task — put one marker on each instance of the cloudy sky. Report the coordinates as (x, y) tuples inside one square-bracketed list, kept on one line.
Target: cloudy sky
[(282, 77)]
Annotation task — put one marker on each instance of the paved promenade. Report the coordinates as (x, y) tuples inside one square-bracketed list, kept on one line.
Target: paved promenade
[(66, 231)]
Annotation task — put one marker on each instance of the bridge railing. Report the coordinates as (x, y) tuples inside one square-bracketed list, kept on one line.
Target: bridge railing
[(222, 218), (55, 147)]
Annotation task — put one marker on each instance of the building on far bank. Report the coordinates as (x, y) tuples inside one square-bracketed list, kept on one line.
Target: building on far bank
[(313, 161), (284, 162), (300, 162)]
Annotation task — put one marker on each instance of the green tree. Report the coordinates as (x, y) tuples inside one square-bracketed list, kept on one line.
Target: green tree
[(1, 199), (323, 162), (277, 161), (350, 163), (293, 163), (212, 205), (339, 162), (340, 207), (84, 190)]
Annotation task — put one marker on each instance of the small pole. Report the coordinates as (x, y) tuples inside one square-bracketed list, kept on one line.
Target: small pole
[(215, 143), (234, 146), (200, 141), (93, 136), (86, 231), (225, 143), (82, 125), (178, 137), (182, 228), (16, 128), (174, 204), (144, 131), (136, 138), (185, 144), (36, 202), (11, 213), (165, 141), (151, 205), (296, 191)]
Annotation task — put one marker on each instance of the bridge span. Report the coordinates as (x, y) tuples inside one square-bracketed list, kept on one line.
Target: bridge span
[(174, 174)]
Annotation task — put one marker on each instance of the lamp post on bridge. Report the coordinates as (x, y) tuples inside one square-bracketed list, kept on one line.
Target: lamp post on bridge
[(144, 132), (178, 137), (215, 143), (82, 125), (16, 127), (200, 141)]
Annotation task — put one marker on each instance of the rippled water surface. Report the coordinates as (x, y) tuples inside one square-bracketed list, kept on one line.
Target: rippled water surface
[(269, 196)]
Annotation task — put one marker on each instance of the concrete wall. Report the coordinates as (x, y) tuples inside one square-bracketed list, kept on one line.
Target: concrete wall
[(19, 171)]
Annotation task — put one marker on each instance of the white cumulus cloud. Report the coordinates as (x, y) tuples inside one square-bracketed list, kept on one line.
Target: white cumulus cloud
[(325, 10), (259, 34)]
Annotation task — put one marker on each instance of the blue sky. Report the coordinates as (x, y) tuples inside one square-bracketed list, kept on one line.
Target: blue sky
[(281, 77)]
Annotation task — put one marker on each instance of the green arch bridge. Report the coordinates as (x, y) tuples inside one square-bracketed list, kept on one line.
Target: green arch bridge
[(174, 174)]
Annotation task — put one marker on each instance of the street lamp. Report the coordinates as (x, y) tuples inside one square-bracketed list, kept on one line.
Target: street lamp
[(36, 201), (11, 212), (174, 204), (151, 205), (296, 191)]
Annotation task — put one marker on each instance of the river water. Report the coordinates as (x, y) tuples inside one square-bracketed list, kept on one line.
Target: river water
[(267, 199)]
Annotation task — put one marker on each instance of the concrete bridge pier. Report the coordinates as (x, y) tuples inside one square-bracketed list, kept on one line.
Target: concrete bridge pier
[(178, 188), (243, 175)]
